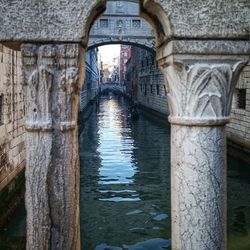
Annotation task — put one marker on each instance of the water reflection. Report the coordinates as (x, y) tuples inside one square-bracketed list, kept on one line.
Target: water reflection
[(128, 207), (125, 197)]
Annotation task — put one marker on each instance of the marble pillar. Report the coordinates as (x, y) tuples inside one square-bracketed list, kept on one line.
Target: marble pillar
[(52, 76), (200, 88)]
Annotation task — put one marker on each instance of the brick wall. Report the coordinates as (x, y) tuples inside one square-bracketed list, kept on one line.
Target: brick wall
[(238, 130), (12, 146)]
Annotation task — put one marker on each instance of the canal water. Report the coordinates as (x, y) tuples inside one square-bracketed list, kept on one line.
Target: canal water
[(125, 184)]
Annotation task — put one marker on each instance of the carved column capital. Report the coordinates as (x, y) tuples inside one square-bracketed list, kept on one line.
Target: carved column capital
[(200, 86), (51, 74)]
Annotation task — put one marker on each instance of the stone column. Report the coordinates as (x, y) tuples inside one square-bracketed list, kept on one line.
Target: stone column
[(52, 77), (200, 88)]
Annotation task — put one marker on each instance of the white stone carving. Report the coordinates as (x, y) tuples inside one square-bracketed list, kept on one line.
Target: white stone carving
[(201, 91), (200, 88), (52, 76)]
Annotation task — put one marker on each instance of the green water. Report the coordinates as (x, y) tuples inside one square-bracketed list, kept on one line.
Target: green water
[(125, 184)]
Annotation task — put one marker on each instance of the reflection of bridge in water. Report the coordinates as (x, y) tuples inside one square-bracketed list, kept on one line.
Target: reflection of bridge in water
[(111, 87)]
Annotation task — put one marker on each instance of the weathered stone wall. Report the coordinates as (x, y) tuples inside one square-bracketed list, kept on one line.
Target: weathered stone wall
[(12, 146), (68, 20), (146, 81), (238, 129)]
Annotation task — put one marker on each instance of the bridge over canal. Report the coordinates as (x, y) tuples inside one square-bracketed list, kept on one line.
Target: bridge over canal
[(201, 49), (110, 87), (120, 23)]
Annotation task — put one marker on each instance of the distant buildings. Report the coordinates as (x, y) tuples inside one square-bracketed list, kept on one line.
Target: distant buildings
[(125, 54), (110, 71)]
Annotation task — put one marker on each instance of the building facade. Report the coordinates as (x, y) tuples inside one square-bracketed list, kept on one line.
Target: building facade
[(238, 130), (12, 131), (145, 84), (92, 79), (125, 54), (145, 81)]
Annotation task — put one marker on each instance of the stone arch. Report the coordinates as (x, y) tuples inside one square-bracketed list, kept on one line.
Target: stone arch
[(154, 13), (202, 50), (151, 11)]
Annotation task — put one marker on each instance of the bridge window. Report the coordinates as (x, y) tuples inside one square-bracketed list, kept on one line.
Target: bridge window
[(104, 23), (136, 23)]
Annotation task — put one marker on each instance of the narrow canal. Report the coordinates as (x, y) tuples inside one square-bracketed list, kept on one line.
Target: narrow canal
[(125, 184), (125, 192)]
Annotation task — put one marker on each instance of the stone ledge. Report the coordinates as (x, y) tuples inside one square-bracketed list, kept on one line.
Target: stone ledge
[(204, 47), (12, 175), (238, 150)]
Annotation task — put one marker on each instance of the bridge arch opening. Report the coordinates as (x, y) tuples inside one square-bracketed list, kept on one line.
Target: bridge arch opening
[(115, 26)]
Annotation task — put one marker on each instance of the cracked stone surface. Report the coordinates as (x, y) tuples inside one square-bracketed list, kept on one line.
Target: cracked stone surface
[(69, 20), (52, 74), (198, 187), (199, 96)]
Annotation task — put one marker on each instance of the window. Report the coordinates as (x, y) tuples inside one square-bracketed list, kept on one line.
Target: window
[(145, 89), (1, 109), (152, 60), (241, 98), (165, 91), (151, 89), (141, 88), (157, 89), (119, 7), (136, 23), (104, 23)]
